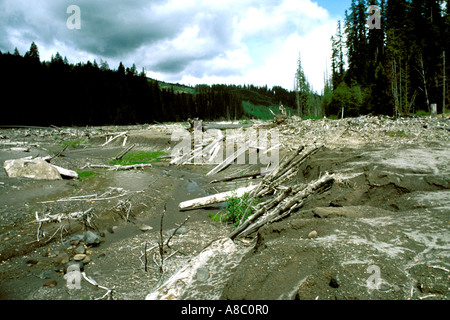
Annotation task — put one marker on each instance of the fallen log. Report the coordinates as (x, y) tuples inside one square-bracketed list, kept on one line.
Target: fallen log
[(288, 171), (118, 167), (216, 198), (111, 139), (252, 224), (123, 153), (245, 176), (270, 177)]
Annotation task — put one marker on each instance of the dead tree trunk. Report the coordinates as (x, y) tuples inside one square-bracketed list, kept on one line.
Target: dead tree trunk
[(251, 225)]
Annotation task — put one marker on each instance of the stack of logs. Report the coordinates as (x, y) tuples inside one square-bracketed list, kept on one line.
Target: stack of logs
[(288, 199), (276, 200)]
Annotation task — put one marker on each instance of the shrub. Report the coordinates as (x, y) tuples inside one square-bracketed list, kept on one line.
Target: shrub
[(234, 213)]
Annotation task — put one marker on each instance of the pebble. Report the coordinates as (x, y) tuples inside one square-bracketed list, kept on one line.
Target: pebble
[(145, 228), (312, 234), (61, 258), (182, 230), (77, 237), (80, 249), (334, 282), (110, 230), (50, 283), (86, 260), (91, 238), (79, 257)]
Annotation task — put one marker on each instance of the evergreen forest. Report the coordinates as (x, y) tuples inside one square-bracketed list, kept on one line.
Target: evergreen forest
[(62, 94), (398, 68)]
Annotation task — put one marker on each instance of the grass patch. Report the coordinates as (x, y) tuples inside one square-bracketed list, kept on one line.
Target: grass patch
[(259, 111), (400, 133), (139, 157), (422, 113), (84, 175), (73, 143), (235, 210)]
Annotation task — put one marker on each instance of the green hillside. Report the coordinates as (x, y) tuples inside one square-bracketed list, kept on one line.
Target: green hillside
[(256, 101)]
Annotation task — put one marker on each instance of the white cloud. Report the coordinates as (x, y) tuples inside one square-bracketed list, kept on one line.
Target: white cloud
[(186, 41), (273, 37)]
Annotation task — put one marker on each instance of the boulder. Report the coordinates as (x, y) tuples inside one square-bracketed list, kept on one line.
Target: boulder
[(91, 239), (31, 168)]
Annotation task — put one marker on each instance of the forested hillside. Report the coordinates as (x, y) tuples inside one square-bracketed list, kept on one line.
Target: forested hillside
[(396, 69), (63, 94)]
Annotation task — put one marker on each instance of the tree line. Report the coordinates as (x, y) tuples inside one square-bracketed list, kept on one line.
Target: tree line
[(396, 69), (62, 94)]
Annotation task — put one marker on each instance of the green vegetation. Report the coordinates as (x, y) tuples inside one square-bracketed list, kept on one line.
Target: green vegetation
[(400, 133), (422, 113), (259, 111), (85, 175), (73, 143), (235, 210), (139, 157), (177, 88)]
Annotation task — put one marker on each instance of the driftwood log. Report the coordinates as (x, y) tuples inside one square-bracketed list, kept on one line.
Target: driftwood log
[(285, 204), (118, 167), (289, 198), (216, 198)]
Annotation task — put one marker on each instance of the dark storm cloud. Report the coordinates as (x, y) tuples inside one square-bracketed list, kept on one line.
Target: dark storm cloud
[(176, 39), (117, 29)]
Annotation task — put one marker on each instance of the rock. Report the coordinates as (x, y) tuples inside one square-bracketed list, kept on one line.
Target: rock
[(20, 149), (91, 239), (61, 258), (109, 229), (50, 283), (384, 287), (86, 260), (79, 257), (80, 249), (182, 230), (312, 234), (31, 168), (75, 239), (145, 228), (334, 282), (66, 172)]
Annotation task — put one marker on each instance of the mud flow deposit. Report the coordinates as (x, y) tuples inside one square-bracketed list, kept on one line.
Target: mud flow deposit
[(357, 209)]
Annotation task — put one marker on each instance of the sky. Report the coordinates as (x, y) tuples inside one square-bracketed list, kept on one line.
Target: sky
[(183, 41)]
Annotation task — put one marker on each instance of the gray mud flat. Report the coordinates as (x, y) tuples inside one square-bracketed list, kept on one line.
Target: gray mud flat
[(383, 234)]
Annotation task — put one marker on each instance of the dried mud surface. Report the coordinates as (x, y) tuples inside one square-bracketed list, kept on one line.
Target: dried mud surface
[(383, 234)]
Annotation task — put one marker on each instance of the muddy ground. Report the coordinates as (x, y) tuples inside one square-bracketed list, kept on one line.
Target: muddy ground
[(383, 234)]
